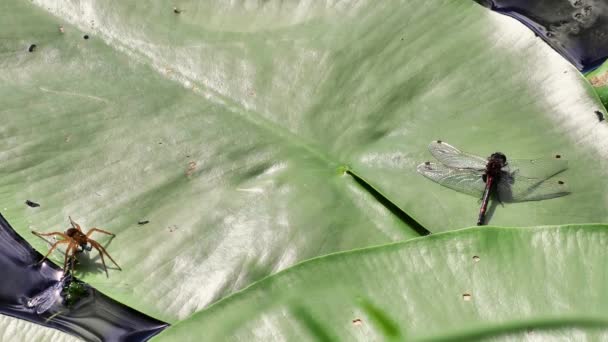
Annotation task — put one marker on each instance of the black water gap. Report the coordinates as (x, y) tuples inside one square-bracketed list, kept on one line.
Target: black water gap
[(37, 293), (577, 29)]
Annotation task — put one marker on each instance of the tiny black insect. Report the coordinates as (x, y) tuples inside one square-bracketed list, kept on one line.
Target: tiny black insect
[(32, 204), (32, 48), (600, 115), (141, 223), (86, 36), (176, 10)]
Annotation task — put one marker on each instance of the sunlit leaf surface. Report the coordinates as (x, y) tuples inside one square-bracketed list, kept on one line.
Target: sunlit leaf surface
[(228, 126), (487, 283)]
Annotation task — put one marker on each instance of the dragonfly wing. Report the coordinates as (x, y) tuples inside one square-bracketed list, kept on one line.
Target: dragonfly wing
[(462, 180), (537, 168), (43, 301), (522, 189), (450, 156)]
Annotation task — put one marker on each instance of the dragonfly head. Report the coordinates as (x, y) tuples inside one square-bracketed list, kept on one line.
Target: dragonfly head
[(497, 156)]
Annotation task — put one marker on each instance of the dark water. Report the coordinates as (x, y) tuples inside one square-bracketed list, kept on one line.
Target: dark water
[(38, 294), (577, 29)]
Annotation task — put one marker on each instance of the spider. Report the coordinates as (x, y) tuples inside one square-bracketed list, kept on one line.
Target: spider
[(75, 238)]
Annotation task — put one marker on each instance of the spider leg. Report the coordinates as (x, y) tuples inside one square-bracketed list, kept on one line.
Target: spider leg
[(92, 230), (68, 256), (53, 248), (63, 235), (96, 246), (103, 251), (73, 263), (74, 224)]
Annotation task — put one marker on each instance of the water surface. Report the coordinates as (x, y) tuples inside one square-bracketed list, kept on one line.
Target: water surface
[(577, 29)]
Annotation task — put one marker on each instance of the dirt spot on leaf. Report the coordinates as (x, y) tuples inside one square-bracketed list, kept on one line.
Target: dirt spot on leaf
[(599, 80), (191, 168)]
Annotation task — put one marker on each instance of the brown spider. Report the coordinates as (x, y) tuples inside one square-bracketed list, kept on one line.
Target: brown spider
[(75, 238)]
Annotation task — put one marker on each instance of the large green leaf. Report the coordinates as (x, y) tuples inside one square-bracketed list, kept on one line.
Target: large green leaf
[(230, 196), (371, 85), (549, 280), (228, 126), (14, 329)]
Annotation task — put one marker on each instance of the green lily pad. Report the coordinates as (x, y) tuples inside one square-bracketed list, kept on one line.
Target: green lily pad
[(229, 195), (470, 284), (14, 329), (371, 85)]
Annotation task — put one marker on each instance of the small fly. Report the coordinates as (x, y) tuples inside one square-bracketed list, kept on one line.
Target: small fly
[(510, 181)]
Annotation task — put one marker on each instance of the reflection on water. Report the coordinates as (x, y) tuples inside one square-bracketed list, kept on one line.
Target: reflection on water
[(38, 294), (577, 29)]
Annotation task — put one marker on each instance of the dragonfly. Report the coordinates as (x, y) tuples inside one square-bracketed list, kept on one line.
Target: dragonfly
[(516, 180)]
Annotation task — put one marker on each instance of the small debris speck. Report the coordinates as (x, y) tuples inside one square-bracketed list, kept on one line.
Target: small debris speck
[(141, 223), (357, 322), (176, 10), (191, 168), (32, 204), (86, 36), (466, 297), (32, 48), (475, 258)]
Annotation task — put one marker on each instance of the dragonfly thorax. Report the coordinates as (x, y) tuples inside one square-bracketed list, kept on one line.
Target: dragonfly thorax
[(494, 166)]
